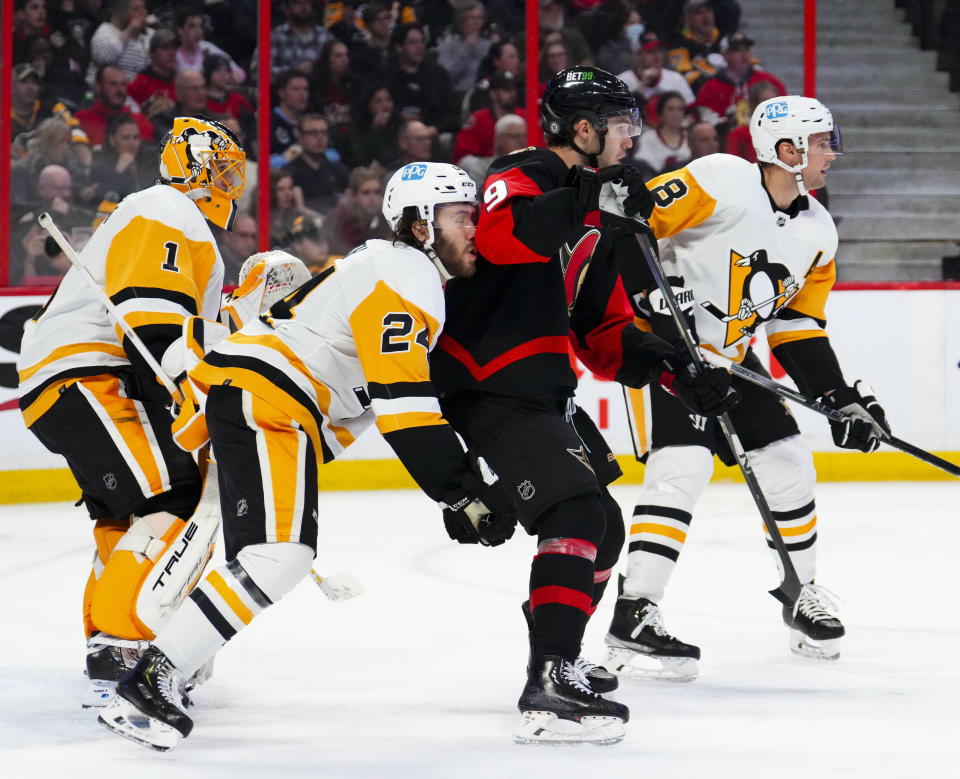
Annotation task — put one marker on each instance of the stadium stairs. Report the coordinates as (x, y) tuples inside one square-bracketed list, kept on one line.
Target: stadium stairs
[(896, 190)]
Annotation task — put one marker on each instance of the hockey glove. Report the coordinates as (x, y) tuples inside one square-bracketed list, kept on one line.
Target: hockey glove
[(637, 200), (706, 392), (866, 423), (586, 181), (485, 514)]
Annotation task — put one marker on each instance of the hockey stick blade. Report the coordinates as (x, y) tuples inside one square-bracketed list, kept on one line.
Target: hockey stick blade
[(819, 408), (789, 590), (339, 586)]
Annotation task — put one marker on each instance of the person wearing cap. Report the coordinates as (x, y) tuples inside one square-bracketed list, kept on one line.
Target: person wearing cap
[(476, 136), (111, 91), (153, 86), (694, 52), (648, 76), (724, 100), (25, 106)]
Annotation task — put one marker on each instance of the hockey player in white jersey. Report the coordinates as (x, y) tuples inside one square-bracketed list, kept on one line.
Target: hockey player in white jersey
[(755, 251), (292, 390), (89, 395)]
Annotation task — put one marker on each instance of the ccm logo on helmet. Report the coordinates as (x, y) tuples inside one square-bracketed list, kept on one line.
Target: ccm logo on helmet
[(777, 110), (413, 172)]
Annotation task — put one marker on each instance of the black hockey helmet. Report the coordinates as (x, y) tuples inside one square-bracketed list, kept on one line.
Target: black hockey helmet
[(585, 93)]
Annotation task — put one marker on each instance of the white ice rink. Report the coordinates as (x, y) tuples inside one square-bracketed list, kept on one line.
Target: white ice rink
[(419, 676)]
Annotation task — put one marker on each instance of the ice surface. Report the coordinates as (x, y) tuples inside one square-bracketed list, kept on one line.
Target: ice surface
[(419, 676)]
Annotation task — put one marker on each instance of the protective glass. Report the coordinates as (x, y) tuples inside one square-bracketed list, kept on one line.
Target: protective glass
[(624, 125)]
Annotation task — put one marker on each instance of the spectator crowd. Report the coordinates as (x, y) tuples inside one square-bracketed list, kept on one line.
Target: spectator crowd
[(358, 89)]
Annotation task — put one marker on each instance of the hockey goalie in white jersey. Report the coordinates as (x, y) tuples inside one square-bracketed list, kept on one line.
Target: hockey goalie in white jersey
[(755, 251), (88, 394), (292, 390)]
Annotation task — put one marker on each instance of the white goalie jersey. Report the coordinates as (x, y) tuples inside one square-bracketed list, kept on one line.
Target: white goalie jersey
[(747, 263), (157, 261)]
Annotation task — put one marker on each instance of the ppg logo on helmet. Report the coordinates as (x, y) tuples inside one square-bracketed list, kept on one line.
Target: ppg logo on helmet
[(413, 173), (777, 110)]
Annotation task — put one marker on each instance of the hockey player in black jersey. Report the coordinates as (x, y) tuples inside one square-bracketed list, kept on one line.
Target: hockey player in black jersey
[(546, 278)]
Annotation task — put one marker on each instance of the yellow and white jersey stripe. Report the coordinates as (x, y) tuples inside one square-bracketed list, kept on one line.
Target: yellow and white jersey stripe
[(346, 349), (156, 259), (747, 263)]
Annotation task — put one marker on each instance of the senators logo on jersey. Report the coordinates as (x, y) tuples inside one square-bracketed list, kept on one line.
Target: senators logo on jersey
[(758, 289)]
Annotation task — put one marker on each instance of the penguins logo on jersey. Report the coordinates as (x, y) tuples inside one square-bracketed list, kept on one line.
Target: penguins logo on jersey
[(758, 289)]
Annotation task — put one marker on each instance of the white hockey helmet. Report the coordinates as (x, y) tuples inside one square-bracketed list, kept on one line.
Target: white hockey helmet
[(791, 118), (424, 186)]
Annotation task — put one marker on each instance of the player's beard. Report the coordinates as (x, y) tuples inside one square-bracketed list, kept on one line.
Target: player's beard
[(457, 260)]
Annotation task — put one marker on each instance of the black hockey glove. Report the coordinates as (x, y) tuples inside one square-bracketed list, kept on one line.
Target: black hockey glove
[(866, 423), (586, 181), (638, 201), (483, 514), (706, 392)]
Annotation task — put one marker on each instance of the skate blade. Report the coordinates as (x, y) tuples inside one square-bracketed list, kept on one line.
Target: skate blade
[(628, 664), (98, 694), (803, 645), (547, 729), (126, 720)]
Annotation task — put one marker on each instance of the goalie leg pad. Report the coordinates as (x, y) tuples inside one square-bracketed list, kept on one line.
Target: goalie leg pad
[(149, 573), (106, 534)]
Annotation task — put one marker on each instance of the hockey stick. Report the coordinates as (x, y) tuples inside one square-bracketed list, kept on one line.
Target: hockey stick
[(789, 590), (340, 586), (824, 410), (47, 223)]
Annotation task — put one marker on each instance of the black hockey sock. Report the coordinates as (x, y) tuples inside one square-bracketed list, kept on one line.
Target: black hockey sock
[(562, 575), (608, 553)]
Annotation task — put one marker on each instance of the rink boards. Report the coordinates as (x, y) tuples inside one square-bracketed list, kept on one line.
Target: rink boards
[(904, 341)]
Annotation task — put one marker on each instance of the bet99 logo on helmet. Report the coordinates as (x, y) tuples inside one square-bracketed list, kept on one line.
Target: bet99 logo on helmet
[(777, 110), (413, 173)]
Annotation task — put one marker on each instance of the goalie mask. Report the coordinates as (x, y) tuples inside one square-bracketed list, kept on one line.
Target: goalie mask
[(203, 159), (792, 118), (424, 186), (265, 278)]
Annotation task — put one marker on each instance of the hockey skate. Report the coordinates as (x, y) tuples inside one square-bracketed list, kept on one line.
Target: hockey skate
[(559, 707), (145, 708), (815, 629), (110, 658), (601, 680), (639, 646)]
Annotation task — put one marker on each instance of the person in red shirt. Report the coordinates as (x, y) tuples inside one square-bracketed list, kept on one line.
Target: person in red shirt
[(221, 97), (157, 79), (111, 91), (739, 142), (476, 136), (723, 100)]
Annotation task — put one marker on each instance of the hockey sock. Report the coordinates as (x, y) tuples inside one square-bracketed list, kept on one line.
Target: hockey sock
[(674, 480), (562, 575), (228, 598), (609, 550), (786, 475)]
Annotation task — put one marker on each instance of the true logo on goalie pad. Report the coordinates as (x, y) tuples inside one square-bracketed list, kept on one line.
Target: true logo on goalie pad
[(187, 537)]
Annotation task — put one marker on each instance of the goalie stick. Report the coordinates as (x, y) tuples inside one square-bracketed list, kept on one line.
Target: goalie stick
[(789, 590), (47, 223), (820, 408)]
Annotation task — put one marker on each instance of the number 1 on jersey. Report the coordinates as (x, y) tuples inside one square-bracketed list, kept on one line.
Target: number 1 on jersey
[(171, 262)]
